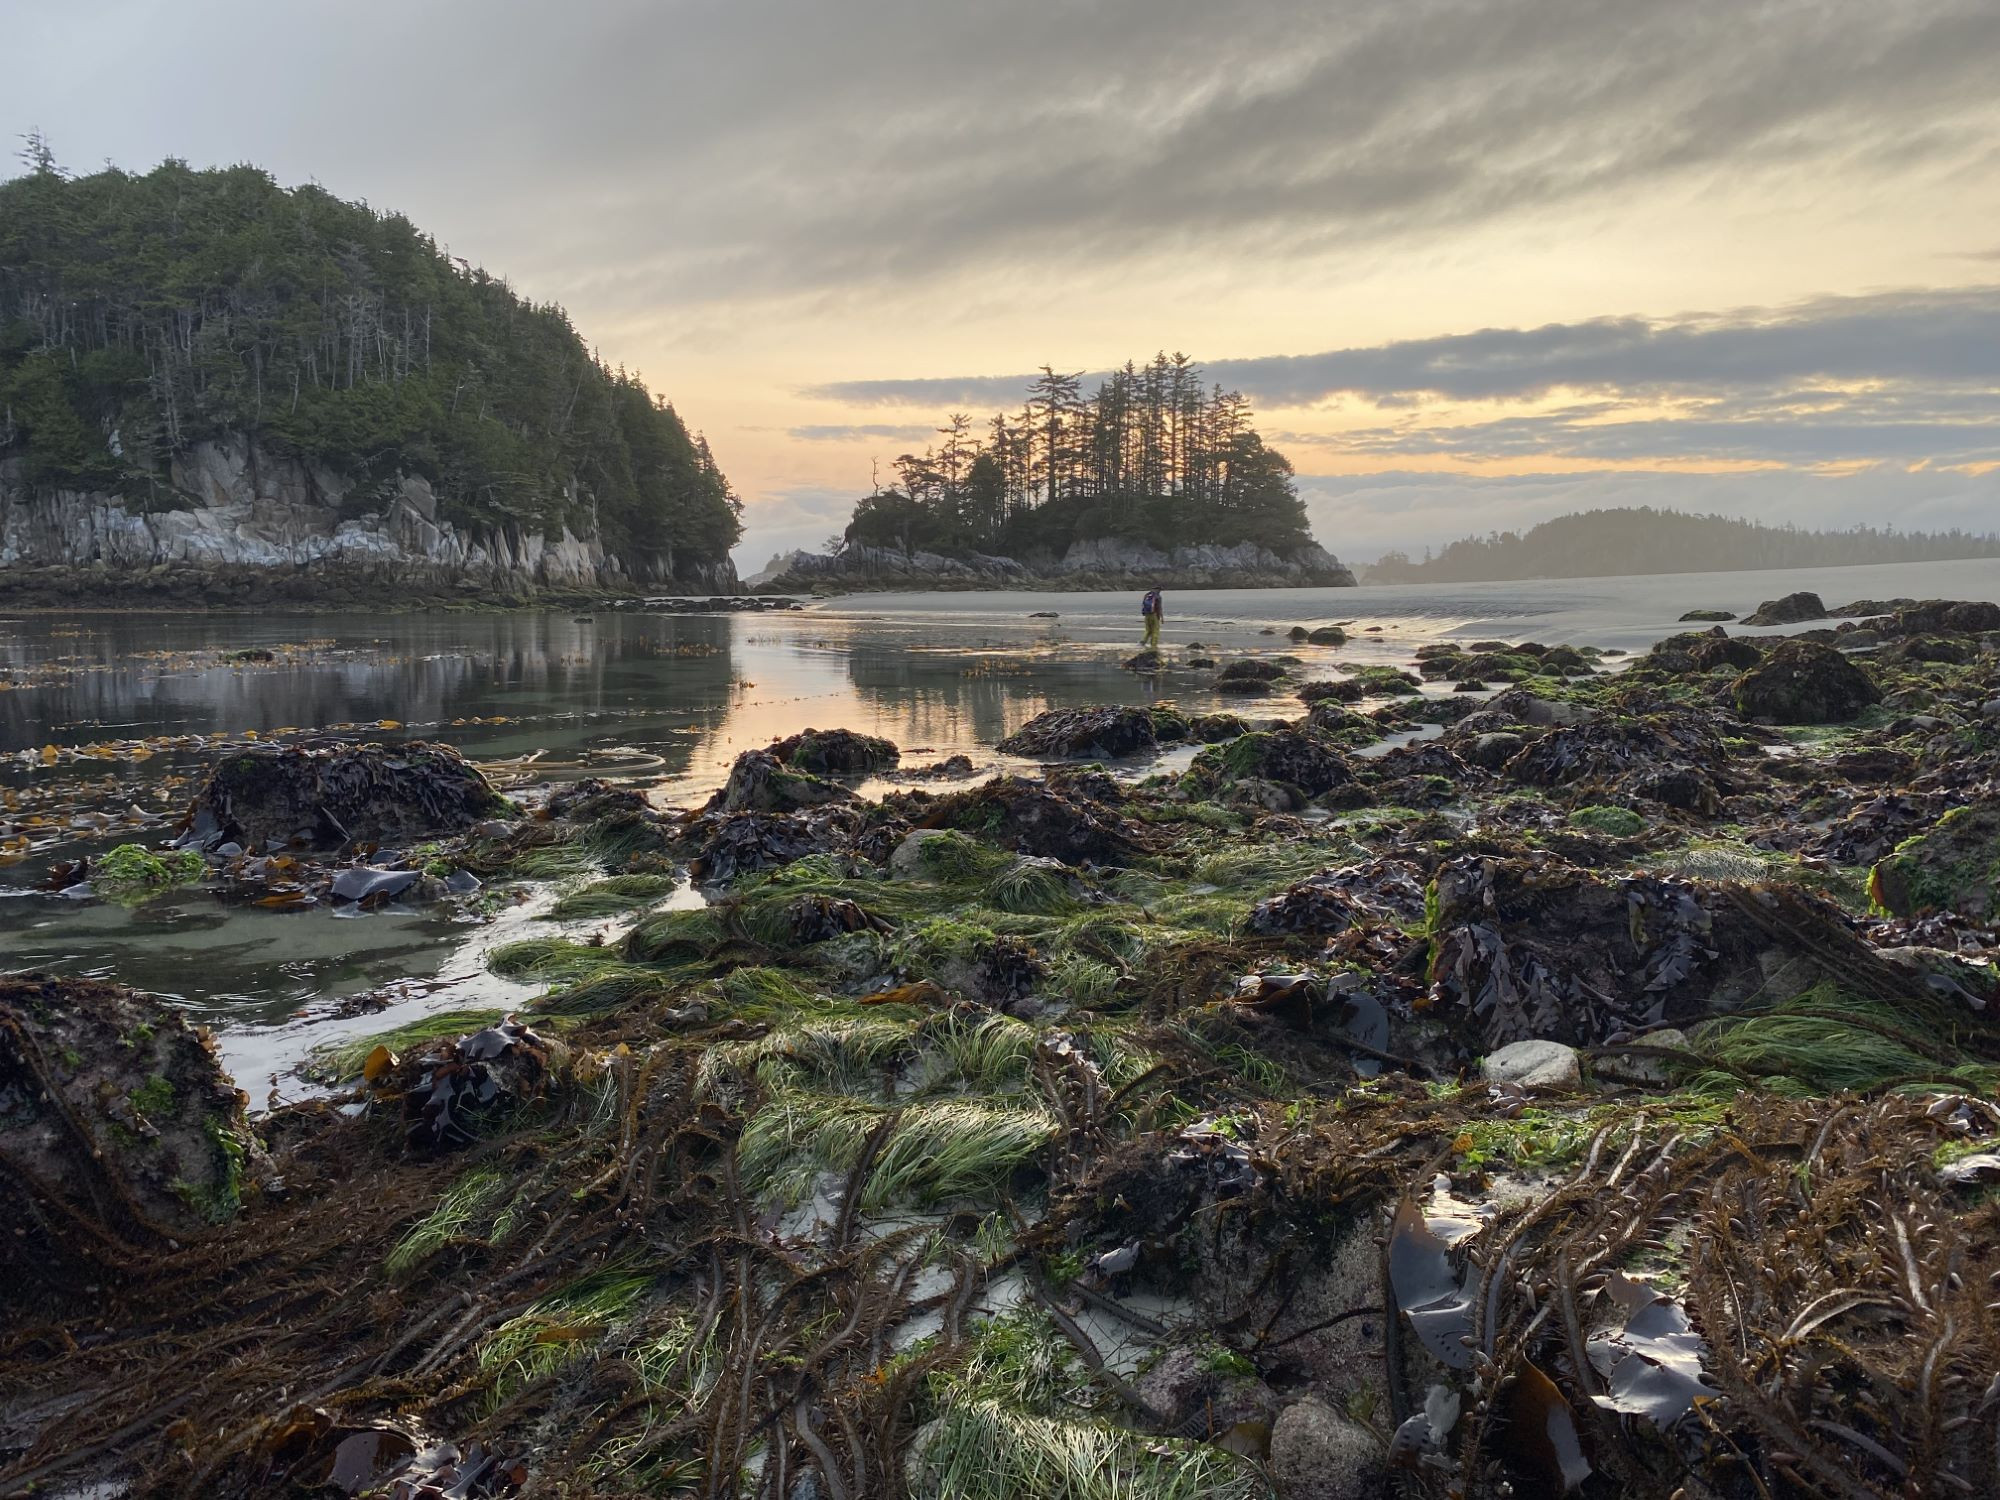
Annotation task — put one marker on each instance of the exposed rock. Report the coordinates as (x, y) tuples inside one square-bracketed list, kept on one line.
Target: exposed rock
[(1536, 949), (1707, 614), (1932, 615), (1319, 1454), (325, 799), (1955, 867), (1249, 675), (1028, 816), (1803, 682), (835, 752), (1288, 755), (1212, 729), (1085, 733), (1534, 1064), (1328, 635), (1494, 749), (118, 1128), (760, 782), (1347, 690), (1790, 610), (250, 510), (1605, 749)]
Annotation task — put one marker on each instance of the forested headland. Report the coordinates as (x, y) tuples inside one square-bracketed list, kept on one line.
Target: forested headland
[(1150, 456), (1601, 543), (142, 315)]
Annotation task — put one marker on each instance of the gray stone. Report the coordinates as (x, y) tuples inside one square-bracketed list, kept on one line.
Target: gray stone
[(1495, 749), (1990, 710), (908, 857), (1319, 1454), (1533, 1064), (1644, 1070)]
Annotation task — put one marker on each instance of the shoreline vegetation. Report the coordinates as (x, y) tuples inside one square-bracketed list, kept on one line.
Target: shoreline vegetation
[(1602, 543), (205, 372), (1153, 476), (1593, 1095)]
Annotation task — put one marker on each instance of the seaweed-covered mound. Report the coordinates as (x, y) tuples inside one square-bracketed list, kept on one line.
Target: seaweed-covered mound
[(1333, 900), (1539, 949), (1248, 676), (835, 752), (760, 782), (330, 798), (1955, 867), (1101, 733), (1031, 817), (1804, 682), (118, 1129), (1603, 749), (1292, 757)]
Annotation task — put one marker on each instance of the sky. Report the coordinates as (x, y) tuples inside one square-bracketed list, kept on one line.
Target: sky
[(1475, 262)]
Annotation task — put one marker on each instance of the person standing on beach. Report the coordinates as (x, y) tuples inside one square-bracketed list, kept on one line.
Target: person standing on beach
[(1152, 609)]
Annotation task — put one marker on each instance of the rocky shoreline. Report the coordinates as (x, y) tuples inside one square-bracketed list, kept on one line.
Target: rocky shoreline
[(1104, 564), (1579, 1083)]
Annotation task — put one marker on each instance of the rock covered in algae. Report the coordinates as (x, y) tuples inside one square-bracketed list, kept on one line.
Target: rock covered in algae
[(835, 752), (1804, 682), (1793, 609), (1953, 868), (760, 782), (1087, 733), (118, 1127), (327, 798)]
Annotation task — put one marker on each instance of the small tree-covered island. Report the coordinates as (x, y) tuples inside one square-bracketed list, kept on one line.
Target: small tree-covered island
[(1150, 479), (215, 388)]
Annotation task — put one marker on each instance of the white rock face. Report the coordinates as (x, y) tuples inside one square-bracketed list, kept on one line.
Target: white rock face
[(1534, 1064), (229, 504)]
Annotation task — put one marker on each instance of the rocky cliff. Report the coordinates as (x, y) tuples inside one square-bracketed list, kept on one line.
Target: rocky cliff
[(1106, 562), (230, 520)]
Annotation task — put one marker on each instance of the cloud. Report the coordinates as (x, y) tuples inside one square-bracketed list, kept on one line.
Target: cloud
[(1933, 336), (850, 432), (729, 148)]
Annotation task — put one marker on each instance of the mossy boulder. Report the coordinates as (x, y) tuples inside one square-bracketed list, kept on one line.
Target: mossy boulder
[(325, 799), (1790, 610), (1248, 676), (1030, 817), (1804, 682), (1953, 868), (760, 782), (835, 752), (118, 1127), (1099, 733), (1290, 756), (1328, 635)]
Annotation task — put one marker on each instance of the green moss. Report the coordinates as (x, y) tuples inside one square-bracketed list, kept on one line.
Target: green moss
[(130, 874), (1617, 822), (153, 1097), (1034, 887), (1003, 1424), (610, 898), (335, 1062), (1826, 1041), (952, 855)]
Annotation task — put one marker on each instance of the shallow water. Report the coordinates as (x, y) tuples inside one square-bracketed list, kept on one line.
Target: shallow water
[(668, 701)]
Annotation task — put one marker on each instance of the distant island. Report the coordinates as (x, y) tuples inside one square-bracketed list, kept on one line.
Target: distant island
[(216, 389), (1149, 479), (1601, 543)]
